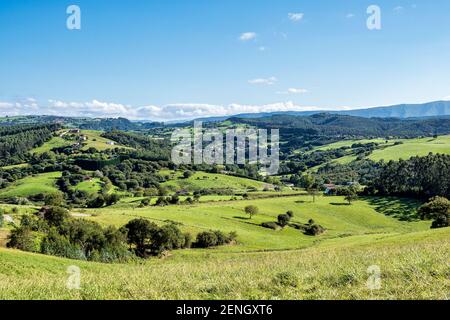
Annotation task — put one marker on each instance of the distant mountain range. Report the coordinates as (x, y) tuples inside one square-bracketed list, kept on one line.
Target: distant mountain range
[(402, 111)]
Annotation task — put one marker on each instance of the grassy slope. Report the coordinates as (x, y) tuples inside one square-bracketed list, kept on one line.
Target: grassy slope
[(413, 147), (94, 141), (91, 186), (361, 218), (413, 266), (40, 183), (202, 180), (389, 151)]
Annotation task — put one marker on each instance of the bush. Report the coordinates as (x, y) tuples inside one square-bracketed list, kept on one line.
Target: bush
[(24, 239), (436, 208), (57, 245), (285, 279), (271, 225), (283, 220), (314, 230), (206, 239), (290, 213), (209, 239), (96, 202), (54, 216)]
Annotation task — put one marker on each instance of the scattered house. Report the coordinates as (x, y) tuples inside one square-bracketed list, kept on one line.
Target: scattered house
[(74, 131), (111, 143), (330, 189), (83, 138)]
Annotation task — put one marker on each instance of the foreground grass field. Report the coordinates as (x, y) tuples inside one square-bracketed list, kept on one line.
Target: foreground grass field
[(412, 266)]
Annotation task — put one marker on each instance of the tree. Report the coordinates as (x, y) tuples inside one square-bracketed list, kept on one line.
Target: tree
[(437, 209), (313, 192), (350, 194), (54, 199), (307, 181), (140, 233), (290, 213), (251, 210), (111, 199), (55, 216)]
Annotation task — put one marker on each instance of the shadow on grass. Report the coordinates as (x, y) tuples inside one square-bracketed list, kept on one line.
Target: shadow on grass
[(339, 203), (403, 209), (242, 218)]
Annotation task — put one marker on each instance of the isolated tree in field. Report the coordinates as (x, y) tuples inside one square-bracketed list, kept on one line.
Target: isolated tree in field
[(251, 210), (437, 209), (290, 213), (187, 174), (314, 193), (350, 194), (307, 181)]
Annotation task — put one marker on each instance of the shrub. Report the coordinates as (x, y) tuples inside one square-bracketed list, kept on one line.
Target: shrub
[(58, 245), (54, 216), (139, 233), (96, 202), (314, 230), (23, 238), (285, 279), (436, 208), (283, 220), (290, 213), (271, 225), (206, 239)]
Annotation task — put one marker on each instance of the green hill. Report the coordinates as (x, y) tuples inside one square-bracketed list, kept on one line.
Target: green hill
[(203, 180), (33, 185)]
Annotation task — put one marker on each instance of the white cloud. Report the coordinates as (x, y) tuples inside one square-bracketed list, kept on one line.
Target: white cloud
[(293, 91), (264, 81), (398, 9), (247, 36), (350, 15), (296, 16), (176, 111), (446, 98), (262, 48)]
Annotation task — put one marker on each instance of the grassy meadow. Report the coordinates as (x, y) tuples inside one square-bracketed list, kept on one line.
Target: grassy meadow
[(40, 183)]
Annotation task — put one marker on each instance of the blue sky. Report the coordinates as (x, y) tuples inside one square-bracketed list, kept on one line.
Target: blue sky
[(179, 59)]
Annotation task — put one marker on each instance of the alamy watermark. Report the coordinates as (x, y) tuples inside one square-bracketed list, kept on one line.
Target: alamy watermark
[(233, 146)]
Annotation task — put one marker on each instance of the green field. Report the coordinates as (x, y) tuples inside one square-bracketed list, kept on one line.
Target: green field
[(203, 180), (94, 140), (55, 142), (362, 218), (389, 151), (33, 185), (412, 266), (413, 147), (93, 185)]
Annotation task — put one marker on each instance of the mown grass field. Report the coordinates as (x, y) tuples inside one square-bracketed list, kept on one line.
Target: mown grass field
[(203, 180), (33, 185)]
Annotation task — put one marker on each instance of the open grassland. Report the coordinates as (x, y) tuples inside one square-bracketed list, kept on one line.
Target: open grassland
[(389, 150), (93, 185), (203, 180), (55, 142), (33, 185), (94, 140), (413, 147), (412, 266), (364, 217)]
